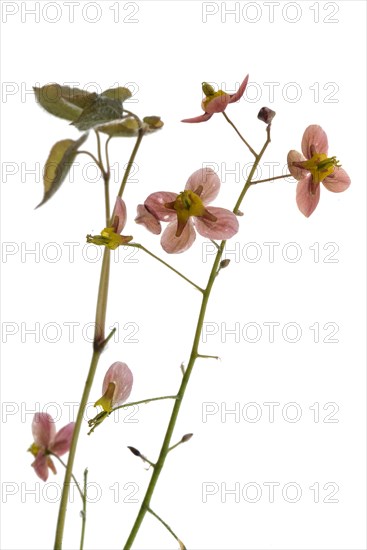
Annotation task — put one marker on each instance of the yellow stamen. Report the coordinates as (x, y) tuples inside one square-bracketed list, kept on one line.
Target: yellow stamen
[(108, 238), (34, 449), (320, 166), (106, 400)]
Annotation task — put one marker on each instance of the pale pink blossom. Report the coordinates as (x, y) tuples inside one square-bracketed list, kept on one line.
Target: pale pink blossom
[(315, 167), (47, 441), (216, 102), (144, 217), (110, 236), (119, 216), (188, 209), (117, 386)]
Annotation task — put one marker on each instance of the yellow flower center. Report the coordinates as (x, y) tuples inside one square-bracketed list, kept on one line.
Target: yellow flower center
[(320, 166), (106, 400), (208, 90), (109, 238), (188, 204), (34, 449)]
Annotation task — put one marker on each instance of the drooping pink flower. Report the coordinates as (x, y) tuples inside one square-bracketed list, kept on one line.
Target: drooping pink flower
[(216, 102), (46, 440), (116, 388), (110, 236), (314, 167), (119, 216), (188, 209)]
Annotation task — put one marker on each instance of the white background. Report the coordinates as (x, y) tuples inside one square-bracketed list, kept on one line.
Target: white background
[(165, 55)]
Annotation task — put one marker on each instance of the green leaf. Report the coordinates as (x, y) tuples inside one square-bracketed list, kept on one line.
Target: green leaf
[(58, 164), (126, 127), (63, 101), (119, 94), (100, 110)]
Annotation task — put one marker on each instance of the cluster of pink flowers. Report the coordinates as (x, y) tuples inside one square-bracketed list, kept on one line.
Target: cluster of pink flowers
[(186, 212), (116, 388)]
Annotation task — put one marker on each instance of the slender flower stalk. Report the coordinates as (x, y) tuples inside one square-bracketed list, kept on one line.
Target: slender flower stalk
[(141, 247), (239, 134), (145, 506), (84, 511), (272, 179), (131, 162)]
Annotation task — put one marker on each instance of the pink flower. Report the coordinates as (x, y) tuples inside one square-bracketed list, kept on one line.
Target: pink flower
[(116, 388), (216, 102), (110, 236), (46, 441), (201, 188), (119, 216), (144, 217), (313, 167)]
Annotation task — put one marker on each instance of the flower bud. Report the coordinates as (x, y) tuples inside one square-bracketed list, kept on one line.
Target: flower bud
[(266, 115), (224, 263), (134, 451)]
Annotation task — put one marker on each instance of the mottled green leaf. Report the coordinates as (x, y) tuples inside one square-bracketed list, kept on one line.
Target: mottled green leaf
[(100, 110), (119, 94), (58, 164), (126, 127), (63, 101)]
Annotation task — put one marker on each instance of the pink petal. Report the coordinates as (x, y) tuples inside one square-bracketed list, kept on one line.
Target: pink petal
[(43, 429), (155, 205), (175, 245), (240, 92), (208, 179), (314, 137), (62, 441), (224, 228), (338, 181), (307, 202), (147, 219), (121, 375), (217, 104), (200, 118), (295, 156), (119, 211), (40, 466)]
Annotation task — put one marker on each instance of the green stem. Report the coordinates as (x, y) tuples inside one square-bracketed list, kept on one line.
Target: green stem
[(74, 443), (166, 526), (72, 475), (131, 162), (84, 511), (99, 334), (100, 166), (83, 496), (272, 179), (93, 423), (106, 180), (238, 133), (141, 247), (253, 170), (144, 401), (145, 506), (99, 344)]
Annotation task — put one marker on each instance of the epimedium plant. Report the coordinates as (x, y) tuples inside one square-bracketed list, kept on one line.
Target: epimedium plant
[(186, 213)]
